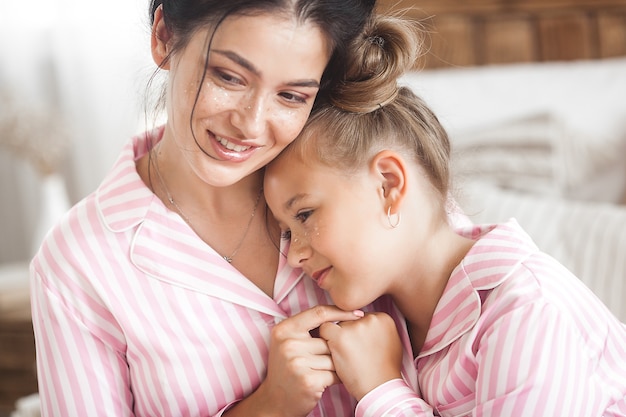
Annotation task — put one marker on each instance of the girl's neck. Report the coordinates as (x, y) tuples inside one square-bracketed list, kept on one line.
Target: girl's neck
[(418, 297)]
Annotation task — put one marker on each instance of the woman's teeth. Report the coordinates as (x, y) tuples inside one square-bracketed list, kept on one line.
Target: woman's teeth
[(232, 146)]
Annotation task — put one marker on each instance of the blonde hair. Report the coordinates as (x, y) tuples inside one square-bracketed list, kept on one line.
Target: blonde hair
[(369, 112)]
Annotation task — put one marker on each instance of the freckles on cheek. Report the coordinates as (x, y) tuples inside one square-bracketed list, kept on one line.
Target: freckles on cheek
[(291, 122), (314, 237), (218, 98)]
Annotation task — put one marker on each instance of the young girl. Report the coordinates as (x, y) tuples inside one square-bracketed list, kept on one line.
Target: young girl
[(163, 293), (496, 327)]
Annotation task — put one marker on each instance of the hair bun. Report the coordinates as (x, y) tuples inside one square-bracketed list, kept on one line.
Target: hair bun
[(388, 47)]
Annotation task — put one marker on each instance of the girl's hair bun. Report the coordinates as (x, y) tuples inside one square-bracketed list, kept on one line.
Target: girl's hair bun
[(388, 47)]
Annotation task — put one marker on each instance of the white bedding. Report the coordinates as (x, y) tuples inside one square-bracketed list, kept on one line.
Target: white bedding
[(546, 144), (556, 128)]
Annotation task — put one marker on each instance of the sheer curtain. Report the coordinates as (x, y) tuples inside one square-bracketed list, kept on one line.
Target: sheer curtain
[(72, 78)]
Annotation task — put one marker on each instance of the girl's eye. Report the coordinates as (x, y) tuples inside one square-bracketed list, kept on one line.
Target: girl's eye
[(303, 215)]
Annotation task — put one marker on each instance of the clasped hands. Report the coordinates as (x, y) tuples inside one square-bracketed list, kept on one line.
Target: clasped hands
[(362, 351)]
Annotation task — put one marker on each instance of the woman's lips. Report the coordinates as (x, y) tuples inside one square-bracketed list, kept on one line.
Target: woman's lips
[(230, 150), (231, 145)]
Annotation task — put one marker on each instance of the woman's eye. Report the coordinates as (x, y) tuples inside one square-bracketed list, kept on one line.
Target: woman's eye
[(227, 78), (285, 235), (294, 98)]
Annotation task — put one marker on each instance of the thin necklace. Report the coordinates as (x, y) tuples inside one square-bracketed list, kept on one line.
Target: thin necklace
[(227, 258)]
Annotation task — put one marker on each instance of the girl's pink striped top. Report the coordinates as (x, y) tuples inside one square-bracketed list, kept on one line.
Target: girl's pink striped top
[(514, 334), (134, 315)]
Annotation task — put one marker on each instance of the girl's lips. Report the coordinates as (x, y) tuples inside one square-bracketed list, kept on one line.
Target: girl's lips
[(319, 276)]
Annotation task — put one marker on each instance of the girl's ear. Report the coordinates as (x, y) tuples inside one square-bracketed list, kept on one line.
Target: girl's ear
[(391, 170), (160, 39)]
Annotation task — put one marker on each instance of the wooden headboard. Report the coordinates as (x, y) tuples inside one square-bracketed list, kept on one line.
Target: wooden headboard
[(483, 32)]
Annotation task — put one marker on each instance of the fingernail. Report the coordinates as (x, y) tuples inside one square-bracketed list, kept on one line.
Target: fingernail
[(358, 313)]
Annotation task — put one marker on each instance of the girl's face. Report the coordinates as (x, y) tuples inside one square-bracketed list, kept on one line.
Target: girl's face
[(257, 92), (336, 225)]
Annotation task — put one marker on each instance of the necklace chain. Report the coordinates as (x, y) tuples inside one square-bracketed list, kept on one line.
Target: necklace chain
[(173, 202)]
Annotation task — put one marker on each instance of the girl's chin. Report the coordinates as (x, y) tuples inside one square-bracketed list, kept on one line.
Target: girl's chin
[(349, 305)]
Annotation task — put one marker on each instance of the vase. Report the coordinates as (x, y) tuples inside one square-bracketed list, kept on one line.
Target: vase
[(54, 202)]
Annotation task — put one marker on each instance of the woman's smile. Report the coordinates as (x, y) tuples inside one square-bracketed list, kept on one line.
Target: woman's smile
[(232, 150)]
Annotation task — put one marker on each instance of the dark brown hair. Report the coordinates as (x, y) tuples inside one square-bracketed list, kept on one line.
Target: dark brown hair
[(340, 20)]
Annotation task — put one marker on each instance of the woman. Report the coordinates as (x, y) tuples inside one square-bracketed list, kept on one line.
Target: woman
[(163, 293), (496, 327)]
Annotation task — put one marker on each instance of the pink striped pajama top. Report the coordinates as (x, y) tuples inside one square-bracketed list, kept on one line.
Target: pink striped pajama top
[(514, 334), (134, 315)]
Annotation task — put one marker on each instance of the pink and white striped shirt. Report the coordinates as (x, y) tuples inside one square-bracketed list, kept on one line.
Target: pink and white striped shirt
[(514, 334), (134, 315)]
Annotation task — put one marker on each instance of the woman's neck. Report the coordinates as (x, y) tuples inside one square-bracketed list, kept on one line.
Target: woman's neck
[(193, 193), (233, 220)]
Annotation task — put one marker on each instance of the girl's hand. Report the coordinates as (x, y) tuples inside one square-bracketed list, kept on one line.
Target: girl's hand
[(366, 352), (300, 366)]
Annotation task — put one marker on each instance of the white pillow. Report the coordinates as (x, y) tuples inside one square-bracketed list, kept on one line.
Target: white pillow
[(581, 103)]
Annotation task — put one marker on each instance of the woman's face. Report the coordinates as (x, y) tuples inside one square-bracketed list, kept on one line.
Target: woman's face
[(257, 92)]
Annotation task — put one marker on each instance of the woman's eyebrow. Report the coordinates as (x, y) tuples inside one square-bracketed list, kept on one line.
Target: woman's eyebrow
[(239, 60)]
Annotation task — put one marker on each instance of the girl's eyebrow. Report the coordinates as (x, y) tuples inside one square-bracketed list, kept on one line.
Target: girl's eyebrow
[(239, 60), (293, 200)]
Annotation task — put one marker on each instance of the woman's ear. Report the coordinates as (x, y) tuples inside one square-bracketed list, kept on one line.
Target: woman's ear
[(160, 39), (391, 171)]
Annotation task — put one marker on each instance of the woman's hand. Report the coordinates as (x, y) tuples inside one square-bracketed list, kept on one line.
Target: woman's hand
[(300, 366), (366, 353)]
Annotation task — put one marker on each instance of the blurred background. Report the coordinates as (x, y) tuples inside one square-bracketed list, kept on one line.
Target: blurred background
[(72, 77), (72, 74)]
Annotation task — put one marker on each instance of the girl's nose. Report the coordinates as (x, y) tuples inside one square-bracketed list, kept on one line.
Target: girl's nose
[(299, 252)]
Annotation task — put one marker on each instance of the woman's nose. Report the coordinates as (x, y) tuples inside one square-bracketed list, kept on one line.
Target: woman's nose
[(252, 117), (299, 252)]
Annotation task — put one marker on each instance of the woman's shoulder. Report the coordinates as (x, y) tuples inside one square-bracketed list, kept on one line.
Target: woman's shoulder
[(118, 204)]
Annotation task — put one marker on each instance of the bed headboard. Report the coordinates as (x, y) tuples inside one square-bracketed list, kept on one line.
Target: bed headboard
[(483, 32)]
